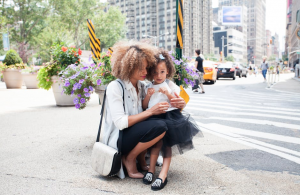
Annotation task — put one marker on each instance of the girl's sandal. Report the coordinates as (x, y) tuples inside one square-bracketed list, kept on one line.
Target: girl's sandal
[(148, 178), (158, 184)]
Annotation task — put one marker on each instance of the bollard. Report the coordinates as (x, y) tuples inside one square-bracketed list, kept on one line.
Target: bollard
[(269, 84), (275, 77), (271, 78)]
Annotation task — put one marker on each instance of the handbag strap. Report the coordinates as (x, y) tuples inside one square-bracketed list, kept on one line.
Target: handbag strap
[(102, 112)]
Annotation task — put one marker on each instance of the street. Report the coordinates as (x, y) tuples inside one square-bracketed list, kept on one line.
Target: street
[(251, 143)]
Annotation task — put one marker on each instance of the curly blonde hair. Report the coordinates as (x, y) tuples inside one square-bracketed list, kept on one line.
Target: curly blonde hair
[(168, 61), (129, 55)]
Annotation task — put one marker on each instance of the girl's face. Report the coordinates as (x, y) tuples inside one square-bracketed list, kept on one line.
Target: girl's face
[(140, 74), (160, 73)]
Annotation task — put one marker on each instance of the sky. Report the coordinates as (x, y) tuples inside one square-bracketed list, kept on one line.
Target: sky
[(275, 18)]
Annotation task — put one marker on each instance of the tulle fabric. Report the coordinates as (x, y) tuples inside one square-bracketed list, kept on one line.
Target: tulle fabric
[(181, 130)]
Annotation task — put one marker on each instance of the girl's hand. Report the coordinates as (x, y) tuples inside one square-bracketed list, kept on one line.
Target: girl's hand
[(163, 90), (178, 102), (159, 108), (150, 92)]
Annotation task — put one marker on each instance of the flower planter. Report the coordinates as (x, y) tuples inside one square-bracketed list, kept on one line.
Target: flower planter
[(30, 80), (100, 91), (60, 98), (12, 78)]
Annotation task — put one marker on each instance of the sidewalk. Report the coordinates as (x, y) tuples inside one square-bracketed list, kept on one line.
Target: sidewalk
[(288, 83)]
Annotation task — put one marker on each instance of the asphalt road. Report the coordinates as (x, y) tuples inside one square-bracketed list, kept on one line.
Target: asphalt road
[(250, 145)]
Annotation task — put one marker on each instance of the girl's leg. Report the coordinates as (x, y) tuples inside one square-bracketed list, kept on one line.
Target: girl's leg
[(129, 160), (154, 155), (166, 164)]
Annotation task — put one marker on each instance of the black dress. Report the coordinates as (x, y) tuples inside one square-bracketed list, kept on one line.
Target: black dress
[(181, 130)]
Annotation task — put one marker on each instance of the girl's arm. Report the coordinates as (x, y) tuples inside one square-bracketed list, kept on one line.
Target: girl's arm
[(165, 91), (122, 120), (150, 92)]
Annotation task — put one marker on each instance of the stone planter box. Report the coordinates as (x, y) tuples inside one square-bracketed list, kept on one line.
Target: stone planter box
[(30, 80), (60, 98), (100, 91), (12, 78)]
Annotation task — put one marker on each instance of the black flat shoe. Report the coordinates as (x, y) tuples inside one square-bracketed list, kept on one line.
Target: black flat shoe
[(158, 184), (148, 178)]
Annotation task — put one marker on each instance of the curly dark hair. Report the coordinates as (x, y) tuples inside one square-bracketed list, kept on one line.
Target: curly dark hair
[(168, 61), (129, 55)]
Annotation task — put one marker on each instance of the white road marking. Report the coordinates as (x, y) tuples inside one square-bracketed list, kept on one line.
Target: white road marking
[(244, 113), (227, 102), (241, 109), (256, 121), (248, 142)]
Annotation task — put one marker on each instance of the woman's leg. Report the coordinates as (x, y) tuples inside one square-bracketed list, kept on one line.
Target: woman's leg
[(166, 164), (129, 160), (142, 161)]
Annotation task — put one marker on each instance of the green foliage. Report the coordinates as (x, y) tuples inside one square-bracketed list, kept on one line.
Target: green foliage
[(12, 58), (110, 26), (44, 76), (210, 57), (229, 58), (65, 56), (272, 58), (103, 71)]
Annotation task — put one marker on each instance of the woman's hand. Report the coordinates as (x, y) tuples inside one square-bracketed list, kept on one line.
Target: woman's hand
[(163, 90), (159, 108), (178, 102), (150, 92)]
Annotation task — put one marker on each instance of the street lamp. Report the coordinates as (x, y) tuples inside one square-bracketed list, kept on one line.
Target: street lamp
[(155, 37)]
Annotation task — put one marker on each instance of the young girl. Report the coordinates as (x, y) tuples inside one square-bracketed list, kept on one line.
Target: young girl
[(180, 129)]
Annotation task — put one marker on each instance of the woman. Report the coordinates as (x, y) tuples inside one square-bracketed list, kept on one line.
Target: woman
[(130, 62)]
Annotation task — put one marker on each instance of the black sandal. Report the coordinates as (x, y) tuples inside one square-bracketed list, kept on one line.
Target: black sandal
[(158, 184), (148, 178)]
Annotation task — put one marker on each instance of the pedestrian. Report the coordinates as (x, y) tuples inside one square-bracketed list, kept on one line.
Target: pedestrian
[(264, 67), (255, 70), (130, 61), (200, 71), (180, 129)]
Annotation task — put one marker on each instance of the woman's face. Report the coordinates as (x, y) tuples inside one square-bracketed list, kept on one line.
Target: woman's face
[(140, 74)]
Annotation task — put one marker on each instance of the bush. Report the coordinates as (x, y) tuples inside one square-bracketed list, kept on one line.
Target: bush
[(12, 58)]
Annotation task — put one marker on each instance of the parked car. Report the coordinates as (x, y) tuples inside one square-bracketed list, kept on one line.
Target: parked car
[(226, 70), (240, 70), (210, 71)]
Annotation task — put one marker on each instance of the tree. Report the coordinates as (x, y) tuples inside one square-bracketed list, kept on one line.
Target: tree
[(272, 58), (229, 58), (110, 26), (27, 16), (210, 57)]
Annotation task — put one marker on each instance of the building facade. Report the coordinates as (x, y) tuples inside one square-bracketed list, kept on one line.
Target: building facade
[(256, 11), (233, 43), (268, 46), (155, 18), (293, 43)]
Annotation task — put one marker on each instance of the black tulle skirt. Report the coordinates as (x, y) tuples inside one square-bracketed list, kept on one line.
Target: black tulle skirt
[(181, 130)]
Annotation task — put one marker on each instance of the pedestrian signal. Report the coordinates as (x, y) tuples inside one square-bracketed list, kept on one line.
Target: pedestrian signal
[(221, 53), (271, 42)]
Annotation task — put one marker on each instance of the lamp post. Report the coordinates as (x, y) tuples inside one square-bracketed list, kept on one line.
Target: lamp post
[(155, 37)]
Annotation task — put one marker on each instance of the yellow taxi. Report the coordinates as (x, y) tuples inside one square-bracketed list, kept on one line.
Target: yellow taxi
[(210, 69)]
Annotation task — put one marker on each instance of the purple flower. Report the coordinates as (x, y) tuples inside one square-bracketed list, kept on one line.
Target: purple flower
[(73, 77), (72, 92), (98, 82), (74, 87), (75, 101), (93, 64), (77, 106), (79, 86), (192, 83), (82, 100), (84, 68), (91, 88), (67, 84), (186, 80), (81, 81), (90, 58), (79, 95), (87, 94), (86, 90), (99, 64)]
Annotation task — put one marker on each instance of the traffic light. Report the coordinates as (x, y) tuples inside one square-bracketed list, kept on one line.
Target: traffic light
[(221, 53), (271, 42)]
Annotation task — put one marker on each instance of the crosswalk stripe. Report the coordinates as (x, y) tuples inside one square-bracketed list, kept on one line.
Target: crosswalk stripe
[(245, 114), (259, 97), (240, 139), (245, 109), (255, 121), (226, 102)]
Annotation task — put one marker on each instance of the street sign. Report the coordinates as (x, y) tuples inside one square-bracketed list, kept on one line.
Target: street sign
[(94, 42), (5, 42)]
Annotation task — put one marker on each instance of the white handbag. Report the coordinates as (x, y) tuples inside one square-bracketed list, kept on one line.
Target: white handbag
[(105, 159)]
